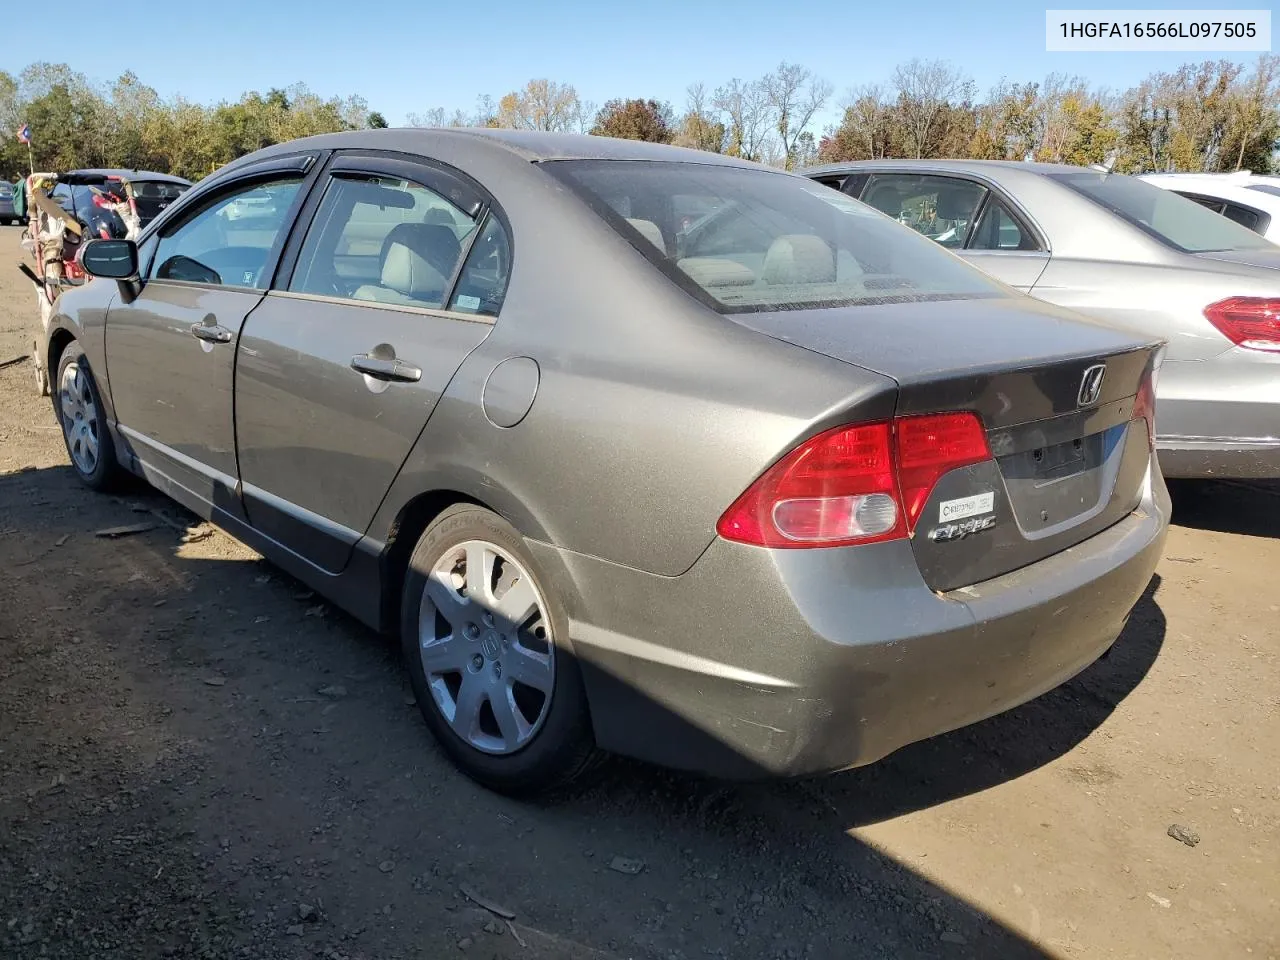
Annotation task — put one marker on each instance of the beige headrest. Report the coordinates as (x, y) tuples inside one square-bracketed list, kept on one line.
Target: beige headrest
[(649, 230), (417, 259), (799, 258)]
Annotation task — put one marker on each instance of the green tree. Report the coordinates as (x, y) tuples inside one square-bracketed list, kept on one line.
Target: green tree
[(377, 121)]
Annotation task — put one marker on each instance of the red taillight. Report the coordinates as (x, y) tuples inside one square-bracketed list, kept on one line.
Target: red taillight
[(855, 484), (73, 270), (1250, 322), (932, 445), (1144, 406)]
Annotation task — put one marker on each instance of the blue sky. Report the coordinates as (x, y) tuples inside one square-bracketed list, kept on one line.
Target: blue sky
[(407, 58)]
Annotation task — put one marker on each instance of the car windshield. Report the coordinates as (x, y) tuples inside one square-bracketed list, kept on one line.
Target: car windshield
[(1173, 219), (753, 240), (1264, 188)]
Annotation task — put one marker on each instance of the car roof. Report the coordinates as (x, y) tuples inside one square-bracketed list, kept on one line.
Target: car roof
[(97, 174), (532, 145), (987, 167)]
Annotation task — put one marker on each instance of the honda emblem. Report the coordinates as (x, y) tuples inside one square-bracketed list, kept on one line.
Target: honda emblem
[(1091, 385)]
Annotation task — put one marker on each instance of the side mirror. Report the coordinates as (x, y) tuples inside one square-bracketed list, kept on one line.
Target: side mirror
[(112, 259)]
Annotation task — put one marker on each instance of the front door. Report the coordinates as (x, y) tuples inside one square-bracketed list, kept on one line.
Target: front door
[(171, 352), (398, 278)]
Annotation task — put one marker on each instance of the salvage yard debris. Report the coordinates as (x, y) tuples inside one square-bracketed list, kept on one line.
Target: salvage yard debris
[(127, 530)]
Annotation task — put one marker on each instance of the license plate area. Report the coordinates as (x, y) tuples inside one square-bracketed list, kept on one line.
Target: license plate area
[(1052, 486)]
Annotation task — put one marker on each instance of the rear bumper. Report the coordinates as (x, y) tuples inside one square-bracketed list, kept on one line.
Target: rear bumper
[(1220, 417), (1204, 458), (781, 663)]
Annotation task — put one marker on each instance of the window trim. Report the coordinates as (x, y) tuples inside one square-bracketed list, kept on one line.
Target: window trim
[(362, 162), (442, 314), (212, 197), (302, 163)]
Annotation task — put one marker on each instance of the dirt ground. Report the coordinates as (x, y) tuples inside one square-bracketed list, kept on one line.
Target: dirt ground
[(199, 759)]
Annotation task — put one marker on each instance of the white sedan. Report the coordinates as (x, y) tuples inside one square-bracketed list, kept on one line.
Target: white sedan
[(1249, 200)]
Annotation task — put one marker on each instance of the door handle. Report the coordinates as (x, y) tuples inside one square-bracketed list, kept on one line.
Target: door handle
[(393, 371), (210, 333)]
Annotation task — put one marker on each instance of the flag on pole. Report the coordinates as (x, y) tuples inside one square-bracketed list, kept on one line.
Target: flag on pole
[(24, 133)]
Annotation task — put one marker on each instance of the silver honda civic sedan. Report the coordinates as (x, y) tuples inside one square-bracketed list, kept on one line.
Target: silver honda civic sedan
[(636, 449), (1132, 255)]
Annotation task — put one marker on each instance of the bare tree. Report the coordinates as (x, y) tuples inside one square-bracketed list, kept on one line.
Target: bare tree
[(543, 105), (924, 89), (746, 108), (793, 95), (698, 128), (431, 118)]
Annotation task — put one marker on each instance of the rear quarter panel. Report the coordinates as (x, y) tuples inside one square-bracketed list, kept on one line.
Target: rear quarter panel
[(651, 414)]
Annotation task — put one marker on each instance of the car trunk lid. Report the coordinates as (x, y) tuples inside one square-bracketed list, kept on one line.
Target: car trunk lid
[(1056, 395)]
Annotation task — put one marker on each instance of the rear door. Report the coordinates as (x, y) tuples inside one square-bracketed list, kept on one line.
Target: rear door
[(171, 351), (399, 276)]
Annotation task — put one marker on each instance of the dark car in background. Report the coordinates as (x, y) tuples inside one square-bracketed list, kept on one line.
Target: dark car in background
[(90, 195)]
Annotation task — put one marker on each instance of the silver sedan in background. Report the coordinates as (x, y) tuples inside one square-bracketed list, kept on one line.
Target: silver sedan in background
[(1129, 254)]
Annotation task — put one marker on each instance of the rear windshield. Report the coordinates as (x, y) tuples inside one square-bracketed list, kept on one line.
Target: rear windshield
[(753, 240), (1173, 219), (156, 190)]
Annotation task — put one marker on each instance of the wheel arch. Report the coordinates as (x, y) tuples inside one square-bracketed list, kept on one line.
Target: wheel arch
[(402, 536), (59, 338)]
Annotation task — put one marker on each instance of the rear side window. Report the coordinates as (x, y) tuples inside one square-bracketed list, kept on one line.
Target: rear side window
[(1163, 214), (998, 229), (483, 283), (383, 240), (156, 190), (773, 241), (1245, 216)]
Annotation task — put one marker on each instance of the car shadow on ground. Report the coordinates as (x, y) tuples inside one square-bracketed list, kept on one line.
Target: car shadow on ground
[(1247, 507), (278, 750)]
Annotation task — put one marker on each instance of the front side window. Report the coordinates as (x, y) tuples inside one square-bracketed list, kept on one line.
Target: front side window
[(772, 241), (382, 240), (229, 242), (941, 208), (1170, 218)]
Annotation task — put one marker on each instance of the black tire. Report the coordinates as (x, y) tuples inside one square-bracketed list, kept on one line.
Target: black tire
[(563, 747), (105, 472)]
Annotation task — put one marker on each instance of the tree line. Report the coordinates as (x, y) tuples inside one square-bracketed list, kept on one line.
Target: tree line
[(1210, 115)]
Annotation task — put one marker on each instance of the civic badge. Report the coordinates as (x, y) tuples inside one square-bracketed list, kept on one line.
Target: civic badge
[(1091, 385)]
